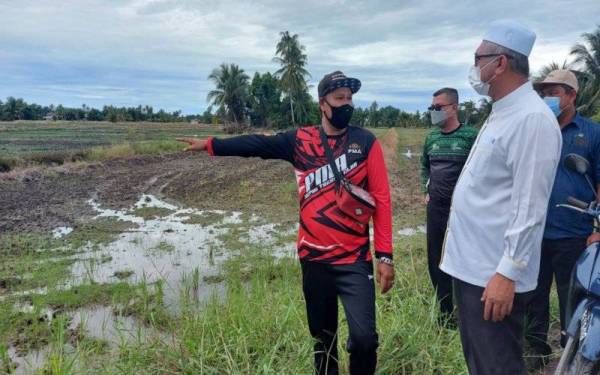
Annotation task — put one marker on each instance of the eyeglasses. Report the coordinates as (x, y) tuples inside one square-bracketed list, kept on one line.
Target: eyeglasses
[(479, 57), (438, 107)]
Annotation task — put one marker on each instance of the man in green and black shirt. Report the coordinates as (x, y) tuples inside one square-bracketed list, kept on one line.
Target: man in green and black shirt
[(444, 154)]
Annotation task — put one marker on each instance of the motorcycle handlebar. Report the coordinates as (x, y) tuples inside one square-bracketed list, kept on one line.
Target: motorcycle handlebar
[(577, 203)]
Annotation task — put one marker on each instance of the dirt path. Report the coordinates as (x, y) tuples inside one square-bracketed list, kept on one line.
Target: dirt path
[(404, 178)]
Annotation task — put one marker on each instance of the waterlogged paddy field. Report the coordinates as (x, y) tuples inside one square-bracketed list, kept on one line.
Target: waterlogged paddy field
[(183, 263)]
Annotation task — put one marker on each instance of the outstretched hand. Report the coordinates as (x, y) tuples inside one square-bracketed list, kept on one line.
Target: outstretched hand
[(194, 144)]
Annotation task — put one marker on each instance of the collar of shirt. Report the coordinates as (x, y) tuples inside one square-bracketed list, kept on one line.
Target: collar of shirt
[(578, 121), (512, 98)]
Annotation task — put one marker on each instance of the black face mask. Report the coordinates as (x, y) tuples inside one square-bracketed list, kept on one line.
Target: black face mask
[(340, 116)]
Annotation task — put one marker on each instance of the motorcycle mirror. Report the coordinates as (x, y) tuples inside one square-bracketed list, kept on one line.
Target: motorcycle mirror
[(577, 163), (581, 165)]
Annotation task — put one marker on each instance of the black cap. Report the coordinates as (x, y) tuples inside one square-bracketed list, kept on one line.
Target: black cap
[(335, 80)]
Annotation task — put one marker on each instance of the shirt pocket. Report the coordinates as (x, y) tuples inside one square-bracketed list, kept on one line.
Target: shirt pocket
[(481, 163)]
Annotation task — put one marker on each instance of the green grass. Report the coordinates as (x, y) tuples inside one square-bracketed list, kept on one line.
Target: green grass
[(123, 274), (261, 328), (412, 137), (24, 143), (28, 330), (149, 213), (131, 149), (33, 260), (97, 232), (24, 137), (162, 247)]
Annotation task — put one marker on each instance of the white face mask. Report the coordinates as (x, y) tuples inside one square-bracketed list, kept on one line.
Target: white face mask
[(438, 117), (482, 88)]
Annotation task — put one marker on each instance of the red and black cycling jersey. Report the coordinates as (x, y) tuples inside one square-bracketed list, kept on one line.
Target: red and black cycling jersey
[(326, 234)]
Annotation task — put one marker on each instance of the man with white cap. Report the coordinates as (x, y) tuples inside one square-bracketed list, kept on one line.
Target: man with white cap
[(499, 205), (566, 231)]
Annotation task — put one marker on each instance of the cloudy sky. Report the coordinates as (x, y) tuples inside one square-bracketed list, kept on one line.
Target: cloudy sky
[(160, 52)]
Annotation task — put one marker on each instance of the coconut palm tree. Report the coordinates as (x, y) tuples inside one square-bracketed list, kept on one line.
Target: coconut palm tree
[(546, 69), (292, 74), (231, 92), (587, 58)]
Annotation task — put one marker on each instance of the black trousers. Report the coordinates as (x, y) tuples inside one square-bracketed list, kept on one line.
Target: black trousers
[(437, 220), (490, 348), (557, 261), (354, 285)]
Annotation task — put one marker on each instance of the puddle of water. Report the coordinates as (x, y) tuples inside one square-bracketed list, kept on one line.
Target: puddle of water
[(61, 232), (101, 323), (266, 235), (407, 232), (30, 362), (97, 322), (167, 249)]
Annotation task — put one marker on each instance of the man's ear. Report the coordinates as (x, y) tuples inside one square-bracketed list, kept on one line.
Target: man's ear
[(573, 96), (322, 105), (502, 64)]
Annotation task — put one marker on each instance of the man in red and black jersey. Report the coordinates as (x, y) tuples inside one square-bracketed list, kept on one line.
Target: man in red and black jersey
[(334, 251)]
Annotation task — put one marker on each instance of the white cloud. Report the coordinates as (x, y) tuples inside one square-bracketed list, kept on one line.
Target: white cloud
[(163, 50)]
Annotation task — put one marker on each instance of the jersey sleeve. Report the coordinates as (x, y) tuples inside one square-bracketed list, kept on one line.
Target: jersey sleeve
[(378, 186), (279, 146)]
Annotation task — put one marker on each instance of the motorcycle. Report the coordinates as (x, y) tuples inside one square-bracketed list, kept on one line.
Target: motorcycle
[(581, 355)]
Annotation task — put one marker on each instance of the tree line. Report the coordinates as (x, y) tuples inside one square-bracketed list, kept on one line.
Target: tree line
[(281, 99), (17, 109)]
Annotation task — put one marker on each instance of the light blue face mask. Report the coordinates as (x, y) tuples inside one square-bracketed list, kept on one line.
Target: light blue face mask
[(554, 103)]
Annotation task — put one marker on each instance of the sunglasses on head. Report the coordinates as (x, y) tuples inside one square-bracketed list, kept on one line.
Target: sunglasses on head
[(438, 107)]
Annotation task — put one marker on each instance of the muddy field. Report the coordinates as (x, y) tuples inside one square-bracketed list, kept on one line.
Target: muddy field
[(102, 253), (43, 199)]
